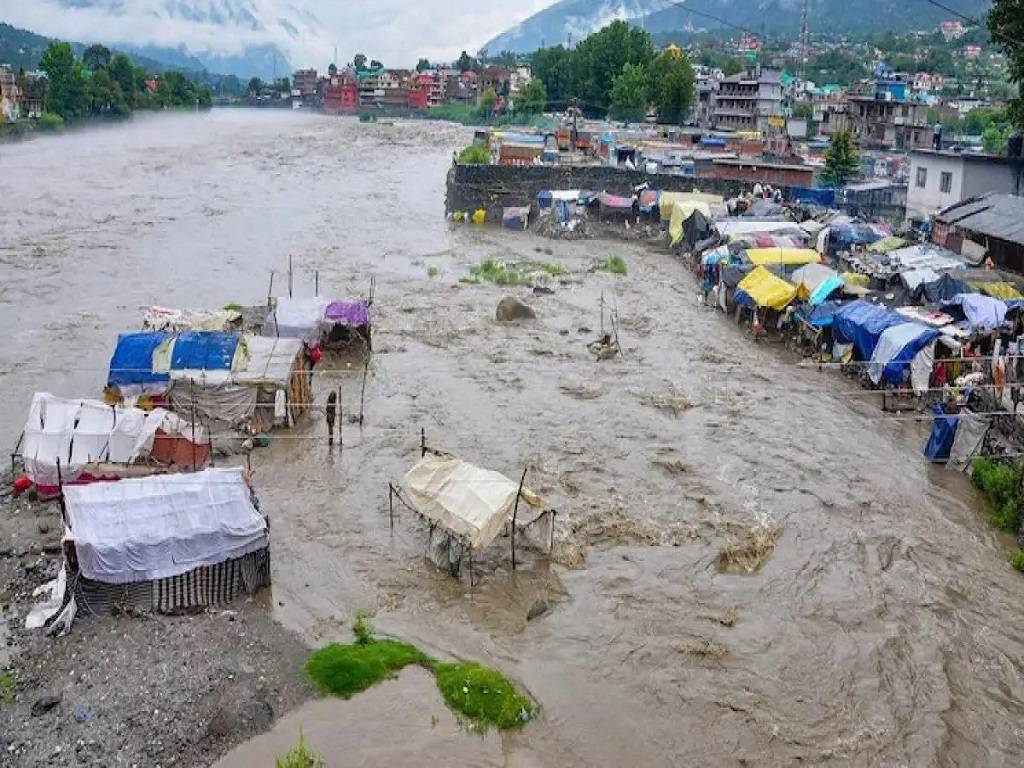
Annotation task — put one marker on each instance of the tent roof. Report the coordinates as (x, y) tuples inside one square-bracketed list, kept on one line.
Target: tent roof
[(766, 289), (271, 360), (163, 525), (470, 503), (787, 256)]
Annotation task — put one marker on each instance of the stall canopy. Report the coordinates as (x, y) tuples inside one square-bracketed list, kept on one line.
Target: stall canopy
[(204, 351), (615, 204), (1000, 290), (160, 526), (350, 313), (547, 196), (861, 323), (681, 212), (81, 432), (649, 200), (667, 200), (982, 312), (765, 290), (897, 347), (816, 282), (820, 316), (944, 288), (168, 319), (470, 503), (131, 366), (784, 256), (296, 318)]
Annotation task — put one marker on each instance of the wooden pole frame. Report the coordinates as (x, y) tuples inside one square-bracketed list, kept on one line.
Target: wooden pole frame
[(515, 512)]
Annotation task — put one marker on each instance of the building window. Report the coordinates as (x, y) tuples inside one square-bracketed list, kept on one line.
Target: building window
[(922, 177), (946, 182)]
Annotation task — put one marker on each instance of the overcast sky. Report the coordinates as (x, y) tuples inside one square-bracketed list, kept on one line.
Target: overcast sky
[(395, 31)]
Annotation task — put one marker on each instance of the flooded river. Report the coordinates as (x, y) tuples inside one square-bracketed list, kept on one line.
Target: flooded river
[(885, 628)]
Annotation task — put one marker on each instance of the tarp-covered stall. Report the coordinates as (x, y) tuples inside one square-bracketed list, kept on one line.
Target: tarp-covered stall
[(468, 506), (515, 217), (982, 312), (344, 322), (131, 366), (784, 256), (297, 318), (189, 540), (615, 206), (816, 282), (861, 323), (763, 289), (896, 350)]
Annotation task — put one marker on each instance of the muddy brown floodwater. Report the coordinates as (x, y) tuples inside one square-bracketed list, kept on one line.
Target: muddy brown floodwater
[(884, 629)]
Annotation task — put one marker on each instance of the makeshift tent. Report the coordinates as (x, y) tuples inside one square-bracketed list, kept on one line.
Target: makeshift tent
[(896, 348), (203, 351), (80, 433), (345, 321), (164, 525), (467, 505), (816, 282), (820, 316), (1000, 290), (716, 256), (515, 217), (740, 226), (785, 256), (912, 278), (296, 318), (765, 290), (764, 209), (613, 205), (681, 212), (548, 196), (925, 255), (794, 238), (845, 236), (861, 323), (167, 319), (982, 312), (666, 201), (824, 197), (648, 200), (131, 366), (943, 289), (970, 436), (886, 244)]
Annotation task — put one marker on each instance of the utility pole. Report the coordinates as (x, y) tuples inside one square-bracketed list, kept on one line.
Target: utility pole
[(805, 42)]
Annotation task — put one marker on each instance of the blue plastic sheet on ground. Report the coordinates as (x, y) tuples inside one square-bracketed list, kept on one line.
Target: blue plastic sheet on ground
[(204, 351), (941, 439), (132, 361), (861, 323)]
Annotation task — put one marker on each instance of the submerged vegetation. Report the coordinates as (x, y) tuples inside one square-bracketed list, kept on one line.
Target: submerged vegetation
[(485, 697), (1017, 560), (514, 272), (614, 264), (1001, 483), (301, 756)]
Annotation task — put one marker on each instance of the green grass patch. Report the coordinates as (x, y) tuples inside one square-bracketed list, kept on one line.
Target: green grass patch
[(233, 307), (515, 273), (614, 264), (483, 695), (433, 271), (6, 688), (1017, 560), (1000, 482), (301, 756), (475, 154)]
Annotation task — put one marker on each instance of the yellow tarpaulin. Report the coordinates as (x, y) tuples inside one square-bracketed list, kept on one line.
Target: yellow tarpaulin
[(667, 199), (887, 244), (787, 256), (766, 289), (855, 279), (1001, 291), (681, 211)]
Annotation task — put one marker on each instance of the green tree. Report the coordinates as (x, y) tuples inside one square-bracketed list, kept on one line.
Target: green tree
[(487, 99), (122, 72), (376, 64), (995, 137), (465, 62), (284, 85), (554, 66), (629, 94), (96, 57), (104, 95), (600, 58), (255, 86), (230, 85), (65, 91), (359, 61), (422, 65), (803, 109), (732, 66), (533, 99), (671, 87), (842, 162), (1006, 27)]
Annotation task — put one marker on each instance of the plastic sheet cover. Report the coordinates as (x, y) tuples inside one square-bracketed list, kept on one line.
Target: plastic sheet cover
[(786, 256), (896, 348), (861, 323), (471, 503), (296, 318), (982, 312), (131, 366), (162, 525), (766, 289), (681, 211)]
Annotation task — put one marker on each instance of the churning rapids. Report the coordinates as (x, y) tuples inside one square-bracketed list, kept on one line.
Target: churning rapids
[(885, 628)]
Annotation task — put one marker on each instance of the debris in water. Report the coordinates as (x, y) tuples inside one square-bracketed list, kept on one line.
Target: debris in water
[(670, 400), (672, 466), (604, 348), (510, 308), (704, 648), (748, 554), (582, 391)]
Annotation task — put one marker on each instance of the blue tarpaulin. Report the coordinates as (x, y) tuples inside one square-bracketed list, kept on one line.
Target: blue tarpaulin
[(861, 323), (941, 439), (847, 235), (897, 346), (204, 350), (814, 195), (712, 141), (132, 361), (820, 316)]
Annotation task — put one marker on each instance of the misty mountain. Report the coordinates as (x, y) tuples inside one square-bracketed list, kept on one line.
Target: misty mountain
[(240, 37), (578, 18)]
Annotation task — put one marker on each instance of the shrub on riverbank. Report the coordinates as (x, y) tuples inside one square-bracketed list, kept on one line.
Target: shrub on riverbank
[(1017, 560), (475, 154), (615, 264), (301, 756), (482, 695), (1001, 483), (50, 121)]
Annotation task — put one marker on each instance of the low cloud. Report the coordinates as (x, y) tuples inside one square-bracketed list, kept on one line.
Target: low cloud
[(397, 32)]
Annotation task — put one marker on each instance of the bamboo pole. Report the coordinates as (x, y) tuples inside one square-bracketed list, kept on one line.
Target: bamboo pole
[(515, 512)]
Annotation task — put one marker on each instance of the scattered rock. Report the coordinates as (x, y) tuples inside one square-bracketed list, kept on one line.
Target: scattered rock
[(43, 526), (538, 608), (510, 308), (45, 703), (543, 290)]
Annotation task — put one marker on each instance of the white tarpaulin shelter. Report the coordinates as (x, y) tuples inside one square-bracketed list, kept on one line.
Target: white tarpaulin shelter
[(471, 503), (270, 360), (891, 342), (729, 227), (296, 318), (163, 525), (80, 432)]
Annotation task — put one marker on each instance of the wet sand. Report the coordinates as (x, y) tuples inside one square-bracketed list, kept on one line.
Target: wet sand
[(884, 629)]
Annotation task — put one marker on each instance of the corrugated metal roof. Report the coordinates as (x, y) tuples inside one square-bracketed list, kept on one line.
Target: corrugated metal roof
[(995, 215)]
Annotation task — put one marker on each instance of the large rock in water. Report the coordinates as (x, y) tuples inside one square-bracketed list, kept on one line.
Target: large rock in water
[(510, 308)]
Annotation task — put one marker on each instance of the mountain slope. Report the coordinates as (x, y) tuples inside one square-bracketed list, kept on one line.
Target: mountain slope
[(580, 17)]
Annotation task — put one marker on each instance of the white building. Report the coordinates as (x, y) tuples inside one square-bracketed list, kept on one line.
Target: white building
[(941, 178), (745, 101)]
